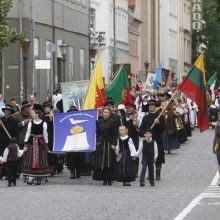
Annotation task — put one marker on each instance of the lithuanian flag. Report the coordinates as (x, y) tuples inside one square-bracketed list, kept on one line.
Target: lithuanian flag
[(119, 88), (95, 97), (194, 87)]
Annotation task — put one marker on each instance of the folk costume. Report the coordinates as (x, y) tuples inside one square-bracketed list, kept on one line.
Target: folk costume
[(157, 130), (104, 156), (125, 170), (52, 158), (21, 117), (36, 140), (149, 151), (10, 157), (11, 125)]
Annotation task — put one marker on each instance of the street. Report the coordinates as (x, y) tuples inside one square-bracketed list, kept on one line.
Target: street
[(187, 173)]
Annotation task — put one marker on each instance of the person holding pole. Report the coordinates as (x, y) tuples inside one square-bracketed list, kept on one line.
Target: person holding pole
[(8, 129), (156, 121)]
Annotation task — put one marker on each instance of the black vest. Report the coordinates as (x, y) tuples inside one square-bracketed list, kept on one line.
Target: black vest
[(123, 144), (148, 149), (12, 154)]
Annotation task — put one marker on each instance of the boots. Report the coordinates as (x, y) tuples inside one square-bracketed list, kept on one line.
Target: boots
[(72, 174)]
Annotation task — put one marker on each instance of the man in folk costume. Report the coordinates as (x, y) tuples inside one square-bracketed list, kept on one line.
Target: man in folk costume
[(23, 118), (157, 131), (7, 124), (48, 118)]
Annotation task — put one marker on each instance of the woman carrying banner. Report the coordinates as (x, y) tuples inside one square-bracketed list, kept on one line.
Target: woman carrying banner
[(106, 140), (36, 140)]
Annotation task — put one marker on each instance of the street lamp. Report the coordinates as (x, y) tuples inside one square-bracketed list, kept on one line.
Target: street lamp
[(63, 50), (146, 65), (25, 44)]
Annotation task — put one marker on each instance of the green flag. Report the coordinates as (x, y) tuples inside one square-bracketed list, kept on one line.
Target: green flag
[(119, 88), (212, 81)]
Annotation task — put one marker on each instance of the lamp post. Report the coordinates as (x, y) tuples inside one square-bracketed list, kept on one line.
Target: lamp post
[(63, 49), (25, 47), (146, 65)]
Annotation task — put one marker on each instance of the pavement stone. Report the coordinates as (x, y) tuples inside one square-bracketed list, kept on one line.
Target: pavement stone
[(187, 172)]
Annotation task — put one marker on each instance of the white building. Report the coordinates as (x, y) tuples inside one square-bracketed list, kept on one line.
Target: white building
[(185, 38), (169, 34), (102, 20), (175, 36)]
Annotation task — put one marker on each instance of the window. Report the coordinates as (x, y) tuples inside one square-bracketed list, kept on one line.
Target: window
[(36, 47), (82, 64), (92, 18), (70, 63), (49, 49)]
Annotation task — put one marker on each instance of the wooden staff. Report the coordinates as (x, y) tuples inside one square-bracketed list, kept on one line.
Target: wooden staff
[(174, 94), (6, 131)]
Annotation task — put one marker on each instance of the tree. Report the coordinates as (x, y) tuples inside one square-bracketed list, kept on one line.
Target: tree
[(209, 36), (7, 34)]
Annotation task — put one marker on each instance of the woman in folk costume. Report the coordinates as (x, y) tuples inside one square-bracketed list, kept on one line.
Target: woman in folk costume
[(125, 150), (106, 140), (36, 140), (173, 142), (187, 121)]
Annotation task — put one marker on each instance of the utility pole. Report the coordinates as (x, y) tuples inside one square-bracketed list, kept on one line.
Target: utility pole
[(114, 38)]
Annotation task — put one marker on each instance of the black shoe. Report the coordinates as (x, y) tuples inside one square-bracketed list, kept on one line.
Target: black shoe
[(104, 183), (9, 184), (78, 177), (142, 184), (72, 175), (109, 183), (152, 184), (14, 184), (157, 174), (124, 183)]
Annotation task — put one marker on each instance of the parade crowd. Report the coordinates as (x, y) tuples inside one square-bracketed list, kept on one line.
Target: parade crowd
[(127, 135)]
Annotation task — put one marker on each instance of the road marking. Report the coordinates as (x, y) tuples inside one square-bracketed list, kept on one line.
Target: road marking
[(215, 179), (211, 191)]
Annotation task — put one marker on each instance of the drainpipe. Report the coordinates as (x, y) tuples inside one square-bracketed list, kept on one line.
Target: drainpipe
[(20, 52)]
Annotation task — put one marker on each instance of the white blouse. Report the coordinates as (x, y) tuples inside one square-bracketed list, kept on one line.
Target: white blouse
[(28, 133), (130, 144)]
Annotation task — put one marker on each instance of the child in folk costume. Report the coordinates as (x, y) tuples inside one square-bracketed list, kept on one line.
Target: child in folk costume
[(10, 157), (126, 153), (149, 150), (36, 140)]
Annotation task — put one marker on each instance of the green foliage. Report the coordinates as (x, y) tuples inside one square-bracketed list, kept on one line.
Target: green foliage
[(209, 36), (7, 34)]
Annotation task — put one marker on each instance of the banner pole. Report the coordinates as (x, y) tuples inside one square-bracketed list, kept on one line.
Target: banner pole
[(161, 113)]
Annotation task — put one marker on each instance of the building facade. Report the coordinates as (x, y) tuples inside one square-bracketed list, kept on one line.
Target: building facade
[(48, 24), (185, 39), (134, 35), (175, 37), (110, 17), (150, 36)]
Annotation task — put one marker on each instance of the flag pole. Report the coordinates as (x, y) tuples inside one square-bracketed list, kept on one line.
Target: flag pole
[(6, 131), (119, 68), (164, 109)]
